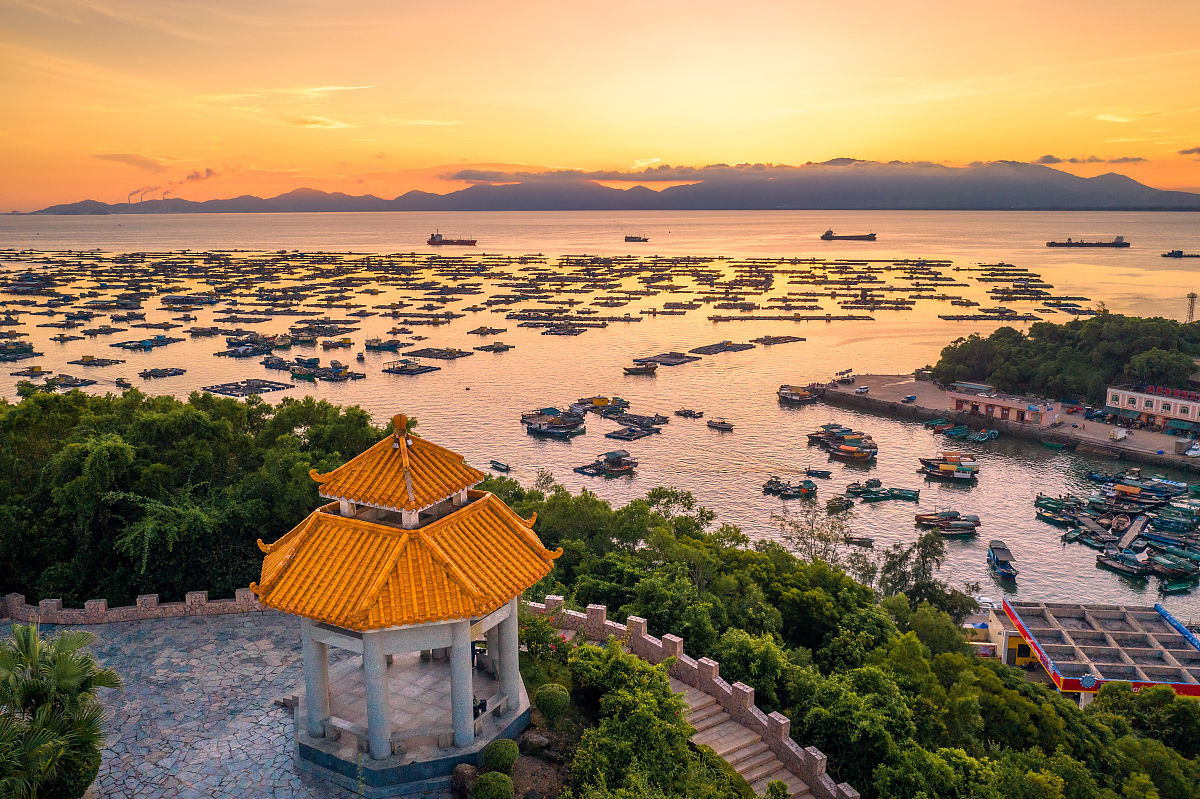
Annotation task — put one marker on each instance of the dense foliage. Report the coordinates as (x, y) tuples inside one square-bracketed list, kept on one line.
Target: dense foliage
[(1078, 359), (885, 687), (111, 497), (50, 719)]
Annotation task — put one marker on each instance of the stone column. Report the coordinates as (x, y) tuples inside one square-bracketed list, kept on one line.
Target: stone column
[(379, 724), (493, 650), (509, 671), (462, 694), (316, 680)]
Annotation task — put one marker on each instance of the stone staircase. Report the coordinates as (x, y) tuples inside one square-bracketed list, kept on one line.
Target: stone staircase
[(741, 748)]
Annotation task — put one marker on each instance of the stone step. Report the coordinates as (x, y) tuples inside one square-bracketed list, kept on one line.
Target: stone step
[(710, 717), (796, 787), (701, 704), (762, 769), (752, 756), (726, 737)]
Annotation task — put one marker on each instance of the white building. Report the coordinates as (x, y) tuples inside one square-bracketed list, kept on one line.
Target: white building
[(1174, 409)]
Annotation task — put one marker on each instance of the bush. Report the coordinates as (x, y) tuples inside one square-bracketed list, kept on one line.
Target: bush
[(553, 700), (776, 789), (493, 785), (499, 756), (542, 640)]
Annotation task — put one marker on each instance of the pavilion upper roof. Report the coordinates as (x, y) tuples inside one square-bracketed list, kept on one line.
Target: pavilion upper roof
[(365, 575), (401, 472)]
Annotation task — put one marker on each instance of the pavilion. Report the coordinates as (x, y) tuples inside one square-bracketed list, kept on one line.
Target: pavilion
[(404, 571)]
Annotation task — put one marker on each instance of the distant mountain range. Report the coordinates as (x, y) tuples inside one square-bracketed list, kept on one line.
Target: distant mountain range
[(841, 184)]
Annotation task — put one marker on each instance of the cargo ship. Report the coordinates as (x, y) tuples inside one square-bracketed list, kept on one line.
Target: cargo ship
[(437, 240), (1119, 241), (638, 239), (829, 235), (1180, 254)]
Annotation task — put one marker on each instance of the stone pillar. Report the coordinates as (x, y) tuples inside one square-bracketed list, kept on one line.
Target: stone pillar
[(316, 680), (1085, 699), (462, 693), (493, 650), (510, 670), (379, 724)]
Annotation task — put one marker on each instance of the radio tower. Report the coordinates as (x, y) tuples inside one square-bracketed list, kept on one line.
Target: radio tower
[(1192, 306)]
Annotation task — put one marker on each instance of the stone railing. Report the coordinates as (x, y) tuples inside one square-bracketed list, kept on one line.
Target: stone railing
[(97, 611), (807, 763)]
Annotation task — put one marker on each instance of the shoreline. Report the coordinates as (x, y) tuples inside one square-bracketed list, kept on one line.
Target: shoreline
[(1141, 446)]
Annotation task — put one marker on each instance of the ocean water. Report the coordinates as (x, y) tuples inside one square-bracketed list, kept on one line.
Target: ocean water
[(473, 405)]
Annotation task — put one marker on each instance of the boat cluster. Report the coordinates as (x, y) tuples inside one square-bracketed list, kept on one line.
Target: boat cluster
[(844, 444), (1141, 526), (960, 431)]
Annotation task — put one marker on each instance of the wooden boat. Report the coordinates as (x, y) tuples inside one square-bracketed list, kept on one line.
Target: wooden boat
[(805, 489), (860, 541), (1121, 564), (822, 473), (617, 463), (949, 472), (874, 496), (688, 413), (852, 454), (1071, 536), (910, 494), (1177, 585), (1121, 523), (720, 424), (795, 395), (500, 466), (935, 422), (408, 366), (839, 504), (122, 382), (642, 369), (1000, 559), (1053, 444), (1058, 519)]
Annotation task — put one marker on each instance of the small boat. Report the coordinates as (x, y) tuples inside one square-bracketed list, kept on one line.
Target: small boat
[(688, 413), (795, 395), (642, 369), (1122, 563), (1071, 536), (829, 235), (851, 454), (910, 494), (935, 423), (720, 424), (1177, 586), (501, 466), (839, 504), (874, 496), (1059, 519), (822, 473), (611, 464), (860, 541), (1000, 559), (1053, 445), (637, 239), (122, 382)]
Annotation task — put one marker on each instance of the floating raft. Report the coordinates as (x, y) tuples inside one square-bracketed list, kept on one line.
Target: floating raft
[(439, 353), (749, 317), (668, 359), (767, 341), (721, 346), (244, 388)]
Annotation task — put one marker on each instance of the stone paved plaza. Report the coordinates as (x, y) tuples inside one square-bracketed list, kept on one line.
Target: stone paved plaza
[(197, 715)]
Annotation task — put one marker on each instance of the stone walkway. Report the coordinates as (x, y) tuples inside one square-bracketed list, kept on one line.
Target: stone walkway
[(197, 715)]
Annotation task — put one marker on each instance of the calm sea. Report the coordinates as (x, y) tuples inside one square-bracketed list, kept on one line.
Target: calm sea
[(473, 404)]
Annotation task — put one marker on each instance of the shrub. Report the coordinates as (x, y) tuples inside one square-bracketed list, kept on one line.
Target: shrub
[(543, 642), (777, 789), (499, 756), (553, 700), (493, 785)]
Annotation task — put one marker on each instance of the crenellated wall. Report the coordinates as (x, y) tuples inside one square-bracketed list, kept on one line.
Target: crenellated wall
[(808, 763), (97, 611)]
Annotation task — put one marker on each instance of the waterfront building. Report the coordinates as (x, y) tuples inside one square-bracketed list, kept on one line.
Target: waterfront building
[(1175, 410), (980, 399), (1078, 648), (407, 571)]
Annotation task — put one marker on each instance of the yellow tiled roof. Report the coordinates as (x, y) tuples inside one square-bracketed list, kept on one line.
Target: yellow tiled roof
[(367, 576), (391, 475)]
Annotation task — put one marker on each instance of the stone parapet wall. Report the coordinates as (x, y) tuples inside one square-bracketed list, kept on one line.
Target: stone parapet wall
[(97, 611), (807, 763)]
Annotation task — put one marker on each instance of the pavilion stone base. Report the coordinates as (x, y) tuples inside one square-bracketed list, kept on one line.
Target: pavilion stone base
[(425, 756)]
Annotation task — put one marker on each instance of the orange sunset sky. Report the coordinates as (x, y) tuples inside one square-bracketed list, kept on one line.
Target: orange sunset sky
[(107, 99)]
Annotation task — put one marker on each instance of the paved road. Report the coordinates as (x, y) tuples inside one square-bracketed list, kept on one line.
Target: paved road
[(197, 715)]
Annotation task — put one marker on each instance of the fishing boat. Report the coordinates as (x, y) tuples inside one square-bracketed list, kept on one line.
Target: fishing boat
[(688, 413), (379, 345), (829, 235), (408, 366), (501, 466), (822, 473), (636, 239), (805, 489), (851, 454), (910, 494), (1177, 585), (942, 516), (122, 382), (935, 422), (1000, 559), (795, 395), (957, 529), (858, 489), (860, 541), (874, 496), (553, 423), (617, 463), (1071, 536), (1122, 563), (1059, 519), (720, 424), (641, 369), (949, 471), (839, 504)]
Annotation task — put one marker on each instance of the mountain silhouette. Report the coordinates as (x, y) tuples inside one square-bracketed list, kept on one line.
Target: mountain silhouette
[(838, 184)]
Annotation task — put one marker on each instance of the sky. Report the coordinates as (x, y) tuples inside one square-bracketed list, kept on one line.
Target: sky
[(119, 99)]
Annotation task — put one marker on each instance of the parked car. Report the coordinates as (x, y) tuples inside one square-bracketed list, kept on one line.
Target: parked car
[(862, 389), (910, 398)]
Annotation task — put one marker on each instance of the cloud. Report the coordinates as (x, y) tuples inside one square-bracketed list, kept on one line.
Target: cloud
[(1132, 116), (661, 173), (321, 91), (133, 159), (422, 123), (1190, 151), (1091, 159), (323, 123)]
